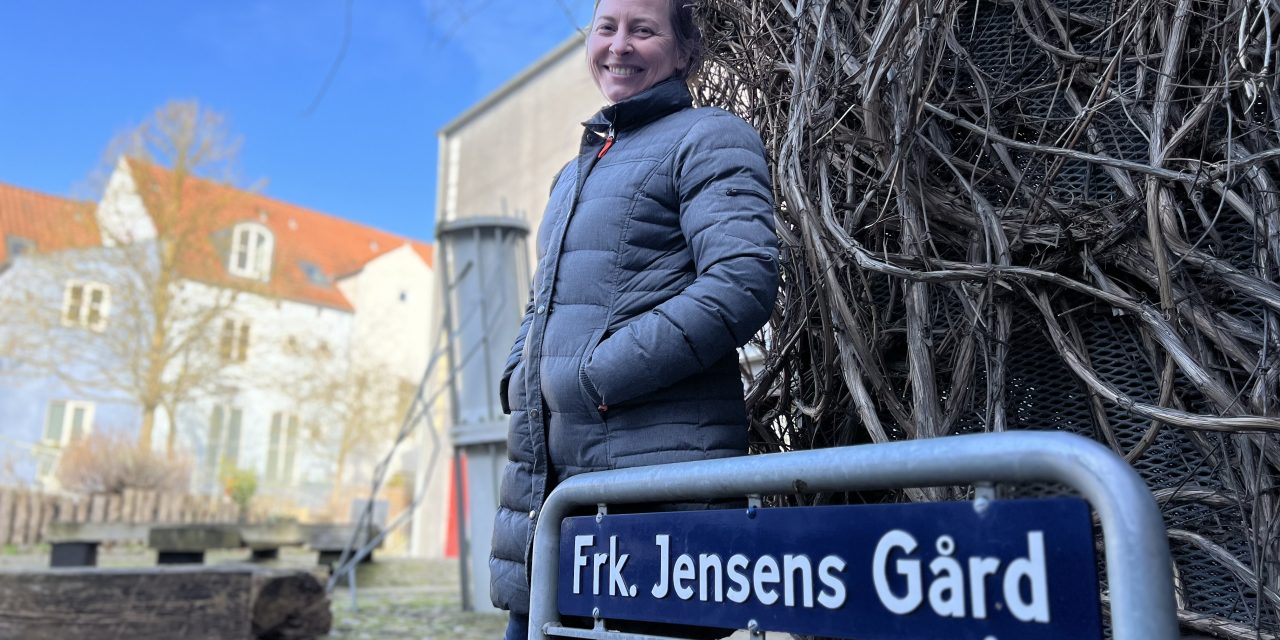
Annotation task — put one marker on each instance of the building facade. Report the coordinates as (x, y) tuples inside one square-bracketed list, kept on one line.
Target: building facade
[(238, 330)]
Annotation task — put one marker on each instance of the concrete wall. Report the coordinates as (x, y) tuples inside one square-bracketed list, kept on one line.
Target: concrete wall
[(498, 158)]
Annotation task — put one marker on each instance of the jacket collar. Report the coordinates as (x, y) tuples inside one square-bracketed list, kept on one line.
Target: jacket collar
[(666, 97)]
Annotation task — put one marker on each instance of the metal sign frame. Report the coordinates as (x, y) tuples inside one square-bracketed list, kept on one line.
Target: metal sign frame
[(1139, 574)]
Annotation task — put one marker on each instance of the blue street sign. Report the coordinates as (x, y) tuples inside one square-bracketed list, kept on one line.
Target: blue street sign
[(1016, 569)]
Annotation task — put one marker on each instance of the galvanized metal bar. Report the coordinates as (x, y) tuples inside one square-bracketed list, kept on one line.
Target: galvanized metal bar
[(1137, 550)]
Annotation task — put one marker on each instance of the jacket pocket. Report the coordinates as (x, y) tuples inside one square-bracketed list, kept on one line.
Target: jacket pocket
[(589, 391), (740, 191), (593, 395)]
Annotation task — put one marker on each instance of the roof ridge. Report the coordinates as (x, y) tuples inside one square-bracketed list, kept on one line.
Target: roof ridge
[(284, 203), (30, 191)]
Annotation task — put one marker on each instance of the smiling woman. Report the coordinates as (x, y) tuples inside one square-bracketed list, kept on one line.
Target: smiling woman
[(634, 44), (657, 259)]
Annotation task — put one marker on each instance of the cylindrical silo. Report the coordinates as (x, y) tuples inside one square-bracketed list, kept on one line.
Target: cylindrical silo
[(484, 267)]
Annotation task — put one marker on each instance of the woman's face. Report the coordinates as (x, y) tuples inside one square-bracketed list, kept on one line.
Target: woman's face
[(631, 47)]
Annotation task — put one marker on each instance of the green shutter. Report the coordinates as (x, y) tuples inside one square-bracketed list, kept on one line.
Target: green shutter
[(53, 421), (77, 300), (232, 455), (244, 342), (77, 422), (226, 339), (273, 446), (291, 447), (214, 442)]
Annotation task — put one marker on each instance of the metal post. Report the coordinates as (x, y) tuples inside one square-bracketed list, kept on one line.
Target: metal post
[(1137, 549)]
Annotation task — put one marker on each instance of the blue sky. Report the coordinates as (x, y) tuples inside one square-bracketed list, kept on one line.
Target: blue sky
[(73, 74)]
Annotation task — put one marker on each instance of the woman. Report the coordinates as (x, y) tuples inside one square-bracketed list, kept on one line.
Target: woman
[(657, 259)]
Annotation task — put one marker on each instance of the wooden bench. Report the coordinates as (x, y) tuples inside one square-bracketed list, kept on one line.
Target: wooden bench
[(75, 544), (329, 540), (187, 543), (188, 602), (264, 540)]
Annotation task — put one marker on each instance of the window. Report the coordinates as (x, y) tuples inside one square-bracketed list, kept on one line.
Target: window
[(18, 246), (222, 447), (233, 343), (315, 275), (251, 246), (282, 447), (67, 420), (86, 304)]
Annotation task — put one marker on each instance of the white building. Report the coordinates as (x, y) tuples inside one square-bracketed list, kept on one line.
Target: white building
[(303, 334)]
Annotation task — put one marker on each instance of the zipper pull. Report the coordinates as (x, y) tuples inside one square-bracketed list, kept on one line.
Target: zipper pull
[(608, 142)]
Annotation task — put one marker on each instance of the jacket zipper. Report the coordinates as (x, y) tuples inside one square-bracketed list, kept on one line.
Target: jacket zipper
[(608, 142)]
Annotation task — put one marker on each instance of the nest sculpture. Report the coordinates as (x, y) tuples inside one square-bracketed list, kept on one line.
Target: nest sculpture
[(1032, 214)]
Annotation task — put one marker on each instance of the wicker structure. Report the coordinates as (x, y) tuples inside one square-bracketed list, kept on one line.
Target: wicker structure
[(1036, 214)]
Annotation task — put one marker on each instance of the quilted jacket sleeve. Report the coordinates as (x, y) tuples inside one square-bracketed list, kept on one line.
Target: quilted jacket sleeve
[(726, 216)]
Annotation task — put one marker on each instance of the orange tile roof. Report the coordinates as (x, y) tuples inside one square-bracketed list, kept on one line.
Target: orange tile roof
[(49, 222), (335, 246)]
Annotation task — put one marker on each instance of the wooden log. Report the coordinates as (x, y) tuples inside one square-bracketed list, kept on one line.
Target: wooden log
[(116, 532), (36, 521), (6, 516), (162, 507), (128, 500), (98, 508), (194, 537), (168, 507), (20, 513), (265, 536), (66, 509), (48, 512), (146, 511), (192, 603), (82, 508), (290, 605), (113, 507)]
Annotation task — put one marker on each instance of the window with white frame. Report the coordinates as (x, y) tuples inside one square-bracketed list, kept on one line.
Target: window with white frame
[(67, 420), (282, 448), (86, 304), (222, 443), (233, 341), (251, 247)]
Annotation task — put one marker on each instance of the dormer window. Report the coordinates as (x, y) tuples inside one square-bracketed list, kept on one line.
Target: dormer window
[(315, 275), (19, 246), (251, 246)]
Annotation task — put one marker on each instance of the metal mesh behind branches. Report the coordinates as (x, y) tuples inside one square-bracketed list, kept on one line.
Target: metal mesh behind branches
[(1032, 215)]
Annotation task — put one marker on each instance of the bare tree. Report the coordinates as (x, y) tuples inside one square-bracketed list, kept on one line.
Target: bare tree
[(141, 316), (352, 411)]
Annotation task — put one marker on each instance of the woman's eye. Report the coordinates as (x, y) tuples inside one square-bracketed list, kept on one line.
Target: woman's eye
[(644, 31), (604, 28)]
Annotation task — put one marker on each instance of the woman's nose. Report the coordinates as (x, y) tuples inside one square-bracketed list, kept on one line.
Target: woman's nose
[(620, 44)]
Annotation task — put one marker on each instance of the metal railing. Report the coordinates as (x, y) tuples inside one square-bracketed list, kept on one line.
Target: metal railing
[(1139, 575)]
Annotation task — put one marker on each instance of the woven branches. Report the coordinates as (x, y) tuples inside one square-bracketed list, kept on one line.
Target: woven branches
[(1032, 215)]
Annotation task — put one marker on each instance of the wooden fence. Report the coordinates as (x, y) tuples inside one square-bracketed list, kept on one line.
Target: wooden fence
[(25, 514)]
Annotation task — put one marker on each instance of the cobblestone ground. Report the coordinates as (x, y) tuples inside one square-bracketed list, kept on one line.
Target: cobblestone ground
[(409, 598)]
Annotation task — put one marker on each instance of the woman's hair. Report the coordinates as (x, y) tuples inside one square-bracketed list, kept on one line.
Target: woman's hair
[(688, 36)]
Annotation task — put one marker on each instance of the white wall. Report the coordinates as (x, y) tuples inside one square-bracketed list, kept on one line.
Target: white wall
[(121, 215), (394, 296)]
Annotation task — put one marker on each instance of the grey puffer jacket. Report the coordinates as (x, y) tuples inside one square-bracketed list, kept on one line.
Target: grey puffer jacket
[(656, 260)]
